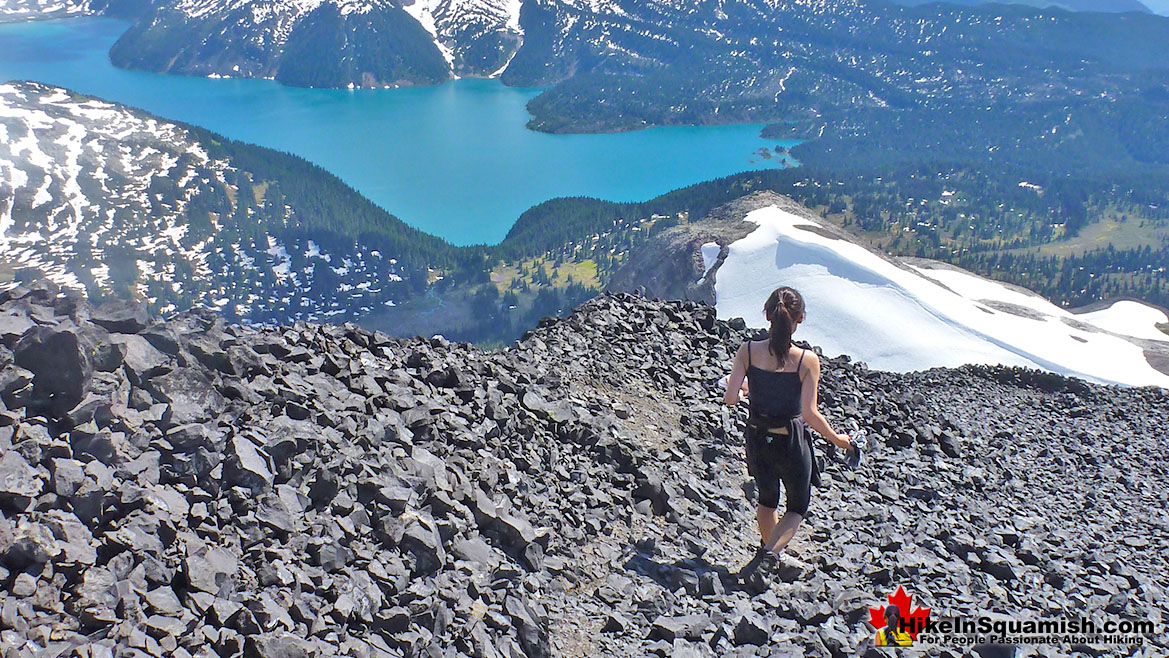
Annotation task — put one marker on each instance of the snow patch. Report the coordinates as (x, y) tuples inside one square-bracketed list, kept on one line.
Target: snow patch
[(709, 252), (910, 318), (1129, 318)]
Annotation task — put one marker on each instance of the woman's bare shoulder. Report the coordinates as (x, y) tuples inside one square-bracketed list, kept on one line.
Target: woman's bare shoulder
[(809, 359)]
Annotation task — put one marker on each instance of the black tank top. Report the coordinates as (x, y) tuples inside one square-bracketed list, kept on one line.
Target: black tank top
[(774, 395)]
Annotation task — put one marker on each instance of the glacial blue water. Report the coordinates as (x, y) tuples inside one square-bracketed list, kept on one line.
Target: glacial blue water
[(455, 160)]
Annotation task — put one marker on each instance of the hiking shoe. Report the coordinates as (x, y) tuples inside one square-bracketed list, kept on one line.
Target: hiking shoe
[(763, 558)]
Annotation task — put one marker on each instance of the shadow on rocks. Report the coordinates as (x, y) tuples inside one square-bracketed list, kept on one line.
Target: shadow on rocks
[(698, 576)]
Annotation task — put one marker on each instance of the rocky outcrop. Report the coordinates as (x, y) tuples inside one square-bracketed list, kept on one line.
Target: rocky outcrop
[(670, 265), (213, 490)]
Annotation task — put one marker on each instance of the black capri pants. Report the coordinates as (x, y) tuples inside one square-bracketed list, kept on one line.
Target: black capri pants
[(786, 458)]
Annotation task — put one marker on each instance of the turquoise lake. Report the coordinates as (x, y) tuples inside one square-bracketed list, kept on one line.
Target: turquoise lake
[(454, 160)]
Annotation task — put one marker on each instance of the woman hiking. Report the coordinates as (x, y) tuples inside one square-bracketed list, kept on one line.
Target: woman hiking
[(783, 381)]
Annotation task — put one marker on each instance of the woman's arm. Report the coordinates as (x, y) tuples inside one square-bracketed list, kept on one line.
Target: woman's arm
[(738, 376), (809, 403)]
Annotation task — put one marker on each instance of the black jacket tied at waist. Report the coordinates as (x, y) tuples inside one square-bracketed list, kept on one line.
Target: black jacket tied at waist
[(758, 428)]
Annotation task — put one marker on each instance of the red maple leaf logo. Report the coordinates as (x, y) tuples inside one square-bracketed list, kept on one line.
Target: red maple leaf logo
[(913, 622)]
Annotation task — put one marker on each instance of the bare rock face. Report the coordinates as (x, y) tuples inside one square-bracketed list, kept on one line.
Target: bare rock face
[(311, 490), (671, 265)]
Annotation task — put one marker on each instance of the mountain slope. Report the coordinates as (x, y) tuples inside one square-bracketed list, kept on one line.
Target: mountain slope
[(369, 43), (670, 62), (326, 43), (120, 203), (479, 37), (1106, 6), (320, 490), (25, 10)]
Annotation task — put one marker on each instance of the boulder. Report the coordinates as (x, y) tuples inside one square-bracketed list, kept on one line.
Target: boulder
[(12, 327), (211, 570), (62, 362), (276, 646), (121, 316), (686, 627), (142, 360), (245, 466), (190, 394), (751, 629), (19, 482)]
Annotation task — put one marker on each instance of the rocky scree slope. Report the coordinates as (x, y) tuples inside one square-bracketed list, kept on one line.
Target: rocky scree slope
[(183, 487)]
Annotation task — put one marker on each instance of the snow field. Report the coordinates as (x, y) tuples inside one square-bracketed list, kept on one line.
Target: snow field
[(898, 317)]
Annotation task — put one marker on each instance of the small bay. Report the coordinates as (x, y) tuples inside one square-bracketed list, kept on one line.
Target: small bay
[(454, 160)]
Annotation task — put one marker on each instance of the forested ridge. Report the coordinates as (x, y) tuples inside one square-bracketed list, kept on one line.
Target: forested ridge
[(987, 223)]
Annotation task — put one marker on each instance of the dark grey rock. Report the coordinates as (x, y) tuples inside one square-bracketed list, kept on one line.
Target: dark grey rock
[(276, 646), (245, 466), (687, 627), (120, 316), (18, 481), (62, 362), (751, 629), (12, 327), (212, 570), (142, 360), (164, 601), (191, 396)]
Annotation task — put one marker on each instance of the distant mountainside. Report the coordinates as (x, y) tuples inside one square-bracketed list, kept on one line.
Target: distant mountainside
[(477, 37), (326, 43), (1104, 6), (22, 10), (117, 202), (622, 64)]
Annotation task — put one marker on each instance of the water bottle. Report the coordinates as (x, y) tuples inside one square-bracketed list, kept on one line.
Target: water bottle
[(860, 439)]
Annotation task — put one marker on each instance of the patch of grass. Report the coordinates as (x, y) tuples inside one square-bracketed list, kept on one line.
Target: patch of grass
[(1164, 328), (583, 272), (1113, 228), (534, 271), (258, 191)]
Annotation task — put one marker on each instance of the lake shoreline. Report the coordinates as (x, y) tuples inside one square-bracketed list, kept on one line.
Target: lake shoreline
[(455, 160)]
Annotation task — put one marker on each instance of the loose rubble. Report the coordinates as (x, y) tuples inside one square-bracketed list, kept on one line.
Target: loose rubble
[(186, 488)]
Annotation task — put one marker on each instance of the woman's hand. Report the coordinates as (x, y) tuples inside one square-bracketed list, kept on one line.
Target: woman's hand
[(842, 441), (809, 404)]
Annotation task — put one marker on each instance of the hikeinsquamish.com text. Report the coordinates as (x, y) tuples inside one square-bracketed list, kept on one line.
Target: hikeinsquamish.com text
[(1075, 630)]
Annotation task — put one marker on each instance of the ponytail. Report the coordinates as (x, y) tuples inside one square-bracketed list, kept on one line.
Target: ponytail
[(784, 307)]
